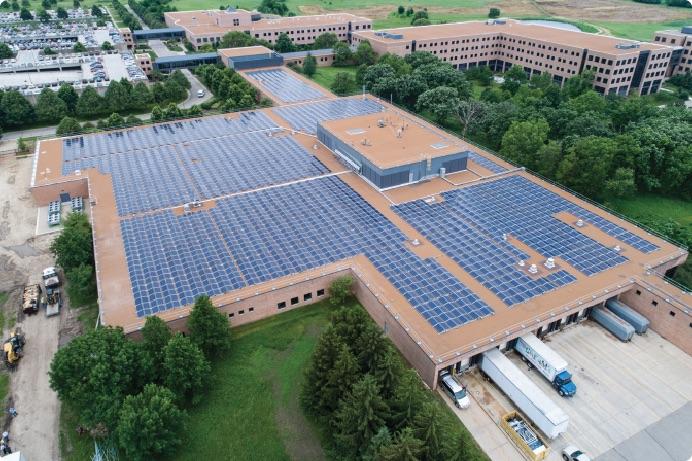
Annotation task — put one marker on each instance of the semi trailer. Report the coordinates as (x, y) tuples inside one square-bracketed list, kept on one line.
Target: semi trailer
[(548, 363), (629, 315), (614, 324), (538, 407)]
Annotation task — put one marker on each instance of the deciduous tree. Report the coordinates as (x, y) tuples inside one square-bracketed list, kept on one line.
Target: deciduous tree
[(185, 368), (209, 329)]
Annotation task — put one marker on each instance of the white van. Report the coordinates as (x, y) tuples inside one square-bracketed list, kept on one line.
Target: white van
[(200, 93), (455, 390)]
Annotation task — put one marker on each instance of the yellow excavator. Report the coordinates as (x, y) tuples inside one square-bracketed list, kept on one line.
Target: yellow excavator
[(12, 348)]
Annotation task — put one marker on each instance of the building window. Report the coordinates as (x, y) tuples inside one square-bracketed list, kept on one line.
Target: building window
[(307, 296), (320, 292), (671, 313), (639, 292), (251, 309), (241, 312), (231, 314), (295, 301), (281, 305), (654, 303)]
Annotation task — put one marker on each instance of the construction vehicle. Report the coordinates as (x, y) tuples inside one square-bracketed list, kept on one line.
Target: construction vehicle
[(13, 347), (53, 301), (31, 298)]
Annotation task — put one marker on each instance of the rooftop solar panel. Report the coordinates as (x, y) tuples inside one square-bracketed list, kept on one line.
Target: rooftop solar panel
[(285, 86), (470, 225), (276, 232), (306, 117)]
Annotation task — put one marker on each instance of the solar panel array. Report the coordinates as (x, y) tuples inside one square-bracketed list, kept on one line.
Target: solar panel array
[(275, 232), (486, 163), (306, 117), (285, 86), (76, 150), (470, 223), (170, 175)]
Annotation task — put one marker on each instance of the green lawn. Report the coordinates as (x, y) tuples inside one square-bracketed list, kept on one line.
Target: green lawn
[(641, 30), (655, 207), (325, 75), (252, 410)]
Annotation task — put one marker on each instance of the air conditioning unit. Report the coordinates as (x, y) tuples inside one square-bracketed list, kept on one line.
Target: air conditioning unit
[(443, 172)]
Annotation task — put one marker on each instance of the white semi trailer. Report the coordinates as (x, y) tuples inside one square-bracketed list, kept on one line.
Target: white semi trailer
[(548, 362), (537, 406)]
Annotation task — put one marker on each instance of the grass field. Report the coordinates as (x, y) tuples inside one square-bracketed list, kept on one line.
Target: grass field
[(252, 410), (655, 207), (325, 75), (641, 30)]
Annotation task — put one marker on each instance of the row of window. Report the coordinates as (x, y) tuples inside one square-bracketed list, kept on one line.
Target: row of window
[(296, 299)]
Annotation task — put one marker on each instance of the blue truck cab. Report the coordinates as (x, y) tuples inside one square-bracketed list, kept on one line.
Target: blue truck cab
[(564, 385)]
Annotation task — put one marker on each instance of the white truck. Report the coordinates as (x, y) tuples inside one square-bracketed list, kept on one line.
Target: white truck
[(537, 406), (50, 277), (547, 362), (53, 295)]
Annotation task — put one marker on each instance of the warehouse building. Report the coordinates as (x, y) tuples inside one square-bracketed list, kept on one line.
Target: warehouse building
[(262, 209), (621, 66), (209, 26)]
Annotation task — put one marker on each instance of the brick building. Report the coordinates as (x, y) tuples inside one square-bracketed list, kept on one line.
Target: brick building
[(208, 27), (621, 66), (681, 42)]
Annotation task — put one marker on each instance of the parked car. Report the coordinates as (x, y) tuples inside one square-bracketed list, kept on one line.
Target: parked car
[(200, 93), (454, 390), (572, 453)]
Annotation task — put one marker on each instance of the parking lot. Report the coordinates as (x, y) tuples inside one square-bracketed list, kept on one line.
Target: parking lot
[(627, 393)]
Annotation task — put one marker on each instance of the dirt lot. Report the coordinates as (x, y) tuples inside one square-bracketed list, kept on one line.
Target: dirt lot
[(34, 430), (582, 10), (622, 388)]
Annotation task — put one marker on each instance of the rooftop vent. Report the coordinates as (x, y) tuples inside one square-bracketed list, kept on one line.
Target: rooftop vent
[(627, 46), (580, 223), (380, 123), (415, 242), (439, 145)]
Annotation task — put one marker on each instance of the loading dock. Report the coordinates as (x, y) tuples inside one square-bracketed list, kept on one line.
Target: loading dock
[(624, 388)]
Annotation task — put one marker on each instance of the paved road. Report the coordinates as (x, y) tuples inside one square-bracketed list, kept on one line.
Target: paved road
[(14, 135), (161, 49), (196, 85)]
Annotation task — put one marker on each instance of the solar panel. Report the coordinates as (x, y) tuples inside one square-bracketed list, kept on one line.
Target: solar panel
[(486, 163), (305, 117), (470, 223), (285, 86), (267, 234)]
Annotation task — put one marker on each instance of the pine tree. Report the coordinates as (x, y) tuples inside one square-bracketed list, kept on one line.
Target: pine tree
[(319, 370), (361, 414), (155, 337), (460, 449), (370, 346), (350, 323), (340, 379), (406, 447), (388, 371), (429, 428), (382, 439), (408, 399)]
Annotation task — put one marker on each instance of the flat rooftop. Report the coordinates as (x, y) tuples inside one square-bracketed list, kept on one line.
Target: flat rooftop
[(244, 51), (277, 209), (594, 42), (392, 138)]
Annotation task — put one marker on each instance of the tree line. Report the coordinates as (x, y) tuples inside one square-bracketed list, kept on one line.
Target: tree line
[(229, 88), (121, 97), (127, 18), (375, 406), (151, 11), (136, 393)]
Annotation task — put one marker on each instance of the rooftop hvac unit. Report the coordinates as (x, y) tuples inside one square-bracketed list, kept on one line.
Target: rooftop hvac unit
[(617, 248), (186, 208), (549, 263), (580, 223), (521, 263), (415, 242), (380, 123), (443, 172), (533, 269)]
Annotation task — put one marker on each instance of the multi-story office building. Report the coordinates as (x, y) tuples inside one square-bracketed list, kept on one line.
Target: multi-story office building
[(208, 27), (620, 65), (681, 41)]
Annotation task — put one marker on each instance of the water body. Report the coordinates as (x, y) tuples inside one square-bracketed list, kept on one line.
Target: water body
[(556, 24)]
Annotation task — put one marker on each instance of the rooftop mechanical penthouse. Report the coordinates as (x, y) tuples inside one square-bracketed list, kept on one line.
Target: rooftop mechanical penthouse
[(263, 209)]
